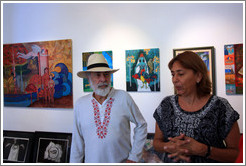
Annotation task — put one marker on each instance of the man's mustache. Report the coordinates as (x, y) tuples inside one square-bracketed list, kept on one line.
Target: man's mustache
[(102, 84)]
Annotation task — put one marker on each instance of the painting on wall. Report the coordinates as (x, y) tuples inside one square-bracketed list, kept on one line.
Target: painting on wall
[(38, 74), (233, 55), (108, 55), (51, 147), (207, 55), (143, 70), (17, 146)]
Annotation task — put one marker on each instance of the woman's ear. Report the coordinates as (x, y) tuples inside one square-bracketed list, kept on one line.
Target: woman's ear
[(199, 77)]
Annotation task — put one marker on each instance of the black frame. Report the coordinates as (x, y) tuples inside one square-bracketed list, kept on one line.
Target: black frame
[(52, 147), (24, 142), (211, 51)]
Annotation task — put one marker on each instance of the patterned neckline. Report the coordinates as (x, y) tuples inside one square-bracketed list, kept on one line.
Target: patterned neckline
[(102, 127), (195, 112)]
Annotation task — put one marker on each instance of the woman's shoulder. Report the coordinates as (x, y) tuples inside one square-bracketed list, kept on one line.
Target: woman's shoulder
[(170, 98), (219, 100), (167, 101), (165, 108), (222, 105)]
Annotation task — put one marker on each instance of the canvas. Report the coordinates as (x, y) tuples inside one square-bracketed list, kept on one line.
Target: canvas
[(38, 74), (143, 70), (108, 55), (52, 147), (207, 55), (234, 68), (17, 146)]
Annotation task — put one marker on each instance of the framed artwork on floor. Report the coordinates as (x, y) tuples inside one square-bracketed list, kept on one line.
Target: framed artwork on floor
[(150, 155), (208, 57), (52, 147), (108, 55), (234, 68), (38, 74), (17, 146), (143, 70)]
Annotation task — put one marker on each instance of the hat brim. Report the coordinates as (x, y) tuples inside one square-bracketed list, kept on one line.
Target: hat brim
[(83, 74)]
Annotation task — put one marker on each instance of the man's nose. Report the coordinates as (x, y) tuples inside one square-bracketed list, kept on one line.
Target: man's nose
[(102, 77)]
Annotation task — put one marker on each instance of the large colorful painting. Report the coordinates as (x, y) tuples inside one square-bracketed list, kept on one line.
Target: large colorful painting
[(108, 55), (143, 70), (38, 74), (207, 55), (234, 68)]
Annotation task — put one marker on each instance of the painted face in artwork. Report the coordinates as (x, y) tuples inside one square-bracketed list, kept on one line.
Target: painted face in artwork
[(142, 63)]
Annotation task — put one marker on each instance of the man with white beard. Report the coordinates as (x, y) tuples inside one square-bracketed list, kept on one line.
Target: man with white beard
[(101, 132)]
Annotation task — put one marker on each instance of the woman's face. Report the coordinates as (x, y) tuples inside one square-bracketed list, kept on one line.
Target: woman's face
[(184, 80)]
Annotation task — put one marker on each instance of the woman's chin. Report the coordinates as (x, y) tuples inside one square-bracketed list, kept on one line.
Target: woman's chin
[(178, 92)]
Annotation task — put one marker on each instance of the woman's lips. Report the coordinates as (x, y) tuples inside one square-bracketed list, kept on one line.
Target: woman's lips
[(178, 88)]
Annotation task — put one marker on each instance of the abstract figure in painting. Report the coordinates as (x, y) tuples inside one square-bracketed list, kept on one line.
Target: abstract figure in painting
[(143, 75), (53, 152), (32, 54), (14, 150)]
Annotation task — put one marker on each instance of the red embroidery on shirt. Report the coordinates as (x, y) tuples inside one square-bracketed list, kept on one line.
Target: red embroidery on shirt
[(102, 127)]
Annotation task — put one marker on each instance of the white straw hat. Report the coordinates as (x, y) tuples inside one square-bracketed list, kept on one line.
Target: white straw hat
[(96, 63)]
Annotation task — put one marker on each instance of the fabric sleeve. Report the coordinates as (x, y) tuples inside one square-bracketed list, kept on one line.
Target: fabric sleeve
[(140, 131), (228, 117), (164, 116), (157, 114), (77, 147)]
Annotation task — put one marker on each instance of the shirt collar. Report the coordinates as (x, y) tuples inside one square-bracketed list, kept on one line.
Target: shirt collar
[(110, 94)]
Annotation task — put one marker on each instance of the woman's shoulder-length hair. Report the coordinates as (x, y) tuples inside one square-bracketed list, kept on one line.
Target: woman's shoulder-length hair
[(191, 60)]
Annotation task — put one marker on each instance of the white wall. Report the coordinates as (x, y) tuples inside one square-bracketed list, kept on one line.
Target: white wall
[(119, 27)]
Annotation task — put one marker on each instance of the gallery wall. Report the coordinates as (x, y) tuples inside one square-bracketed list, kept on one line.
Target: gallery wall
[(119, 27)]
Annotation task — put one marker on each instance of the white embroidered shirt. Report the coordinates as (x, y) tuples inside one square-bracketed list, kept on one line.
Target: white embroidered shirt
[(101, 132)]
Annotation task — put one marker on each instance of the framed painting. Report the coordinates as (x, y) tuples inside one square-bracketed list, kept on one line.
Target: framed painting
[(143, 70), (17, 146), (38, 74), (207, 55), (108, 55), (52, 147), (233, 55)]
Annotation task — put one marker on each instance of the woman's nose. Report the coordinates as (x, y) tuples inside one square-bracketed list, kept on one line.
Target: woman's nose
[(174, 79)]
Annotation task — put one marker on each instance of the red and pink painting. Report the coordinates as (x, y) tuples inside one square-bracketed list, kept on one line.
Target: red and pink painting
[(38, 74), (234, 68)]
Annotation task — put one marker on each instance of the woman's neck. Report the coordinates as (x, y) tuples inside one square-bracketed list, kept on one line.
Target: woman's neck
[(193, 102), (189, 99)]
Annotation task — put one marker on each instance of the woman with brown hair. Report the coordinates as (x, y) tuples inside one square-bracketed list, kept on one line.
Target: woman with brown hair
[(193, 125)]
